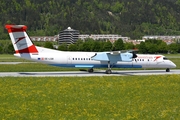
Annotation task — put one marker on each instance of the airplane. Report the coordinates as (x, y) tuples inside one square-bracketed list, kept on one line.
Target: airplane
[(25, 48)]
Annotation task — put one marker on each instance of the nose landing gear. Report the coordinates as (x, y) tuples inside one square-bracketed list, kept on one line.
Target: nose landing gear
[(167, 70)]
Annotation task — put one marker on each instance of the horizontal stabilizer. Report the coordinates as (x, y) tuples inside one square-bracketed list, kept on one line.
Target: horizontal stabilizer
[(16, 28)]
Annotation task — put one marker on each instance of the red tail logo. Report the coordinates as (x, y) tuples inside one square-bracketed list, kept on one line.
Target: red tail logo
[(19, 39)]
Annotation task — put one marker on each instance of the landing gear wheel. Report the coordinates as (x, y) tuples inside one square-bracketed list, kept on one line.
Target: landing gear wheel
[(91, 70), (108, 71), (167, 70)]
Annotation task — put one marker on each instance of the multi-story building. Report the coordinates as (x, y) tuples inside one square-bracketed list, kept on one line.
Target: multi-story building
[(68, 36)]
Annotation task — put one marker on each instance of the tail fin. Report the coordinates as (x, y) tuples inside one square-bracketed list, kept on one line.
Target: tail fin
[(20, 39)]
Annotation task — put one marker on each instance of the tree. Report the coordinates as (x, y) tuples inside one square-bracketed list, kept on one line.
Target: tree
[(150, 47), (129, 45), (10, 49), (107, 46), (0, 49), (118, 45), (79, 45), (142, 48), (72, 47), (48, 45), (88, 45), (162, 47), (173, 48), (178, 47), (63, 47), (97, 46)]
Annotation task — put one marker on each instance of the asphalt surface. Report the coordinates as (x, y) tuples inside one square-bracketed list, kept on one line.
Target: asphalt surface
[(85, 74)]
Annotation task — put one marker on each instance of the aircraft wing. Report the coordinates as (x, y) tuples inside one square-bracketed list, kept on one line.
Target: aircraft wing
[(113, 56)]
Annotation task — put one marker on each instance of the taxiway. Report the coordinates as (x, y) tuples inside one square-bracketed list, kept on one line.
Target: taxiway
[(84, 73)]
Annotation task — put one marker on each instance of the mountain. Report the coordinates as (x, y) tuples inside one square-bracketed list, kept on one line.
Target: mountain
[(133, 18)]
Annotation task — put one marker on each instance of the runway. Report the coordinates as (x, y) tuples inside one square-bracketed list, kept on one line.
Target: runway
[(85, 74)]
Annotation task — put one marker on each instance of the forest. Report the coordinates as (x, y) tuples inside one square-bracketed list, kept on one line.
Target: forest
[(132, 18)]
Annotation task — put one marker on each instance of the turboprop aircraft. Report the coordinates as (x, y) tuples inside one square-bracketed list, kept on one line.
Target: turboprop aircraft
[(24, 48)]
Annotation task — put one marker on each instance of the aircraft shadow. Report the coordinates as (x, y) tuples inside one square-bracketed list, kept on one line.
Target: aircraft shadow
[(84, 73)]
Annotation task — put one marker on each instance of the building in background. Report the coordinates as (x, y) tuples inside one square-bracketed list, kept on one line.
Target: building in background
[(161, 37), (45, 38), (166, 39), (110, 37), (68, 36)]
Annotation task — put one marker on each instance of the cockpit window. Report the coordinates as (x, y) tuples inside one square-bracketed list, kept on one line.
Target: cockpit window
[(164, 58)]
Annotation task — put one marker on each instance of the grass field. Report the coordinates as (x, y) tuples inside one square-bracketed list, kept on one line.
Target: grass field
[(97, 98), (112, 98), (11, 58)]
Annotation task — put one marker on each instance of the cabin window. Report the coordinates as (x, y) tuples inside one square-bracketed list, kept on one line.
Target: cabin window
[(78, 58), (75, 58)]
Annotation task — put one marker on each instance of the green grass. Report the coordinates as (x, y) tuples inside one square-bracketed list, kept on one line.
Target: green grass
[(172, 55), (116, 98), (32, 67), (11, 58)]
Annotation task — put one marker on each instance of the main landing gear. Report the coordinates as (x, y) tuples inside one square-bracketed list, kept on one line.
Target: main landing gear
[(91, 70), (108, 71), (167, 70)]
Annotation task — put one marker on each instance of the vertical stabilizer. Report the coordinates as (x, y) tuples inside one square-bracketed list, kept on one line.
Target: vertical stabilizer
[(20, 39)]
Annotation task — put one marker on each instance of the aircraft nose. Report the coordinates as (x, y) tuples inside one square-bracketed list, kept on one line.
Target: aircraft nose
[(173, 65)]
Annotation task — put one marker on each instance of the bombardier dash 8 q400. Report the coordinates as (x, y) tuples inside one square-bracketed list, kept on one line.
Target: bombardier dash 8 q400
[(24, 48)]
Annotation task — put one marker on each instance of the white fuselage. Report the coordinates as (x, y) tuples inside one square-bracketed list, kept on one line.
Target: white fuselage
[(83, 60)]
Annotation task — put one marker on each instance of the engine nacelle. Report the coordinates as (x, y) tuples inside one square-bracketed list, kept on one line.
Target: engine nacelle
[(126, 57)]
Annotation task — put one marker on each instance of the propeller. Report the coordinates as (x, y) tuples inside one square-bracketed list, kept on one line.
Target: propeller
[(133, 53)]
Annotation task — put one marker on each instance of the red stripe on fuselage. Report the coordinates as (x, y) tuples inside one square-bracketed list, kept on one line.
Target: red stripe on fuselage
[(31, 49), (16, 28), (157, 57)]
